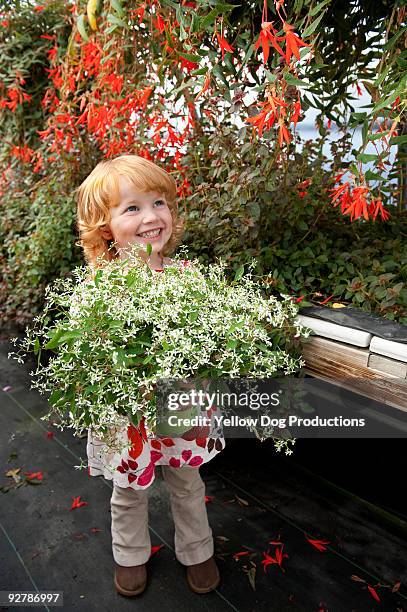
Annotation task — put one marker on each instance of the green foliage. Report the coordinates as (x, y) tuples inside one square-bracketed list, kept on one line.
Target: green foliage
[(246, 205), (37, 238), (246, 202)]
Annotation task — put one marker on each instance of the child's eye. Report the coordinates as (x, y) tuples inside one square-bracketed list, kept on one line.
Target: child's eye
[(132, 206), (159, 202)]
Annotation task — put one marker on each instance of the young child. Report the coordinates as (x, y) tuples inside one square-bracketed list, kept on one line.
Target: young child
[(124, 201)]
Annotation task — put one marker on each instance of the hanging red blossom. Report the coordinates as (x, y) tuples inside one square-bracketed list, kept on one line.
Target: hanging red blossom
[(224, 45), (268, 35), (292, 42)]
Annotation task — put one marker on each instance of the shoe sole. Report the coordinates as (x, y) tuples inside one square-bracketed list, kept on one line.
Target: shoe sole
[(127, 593), (202, 590)]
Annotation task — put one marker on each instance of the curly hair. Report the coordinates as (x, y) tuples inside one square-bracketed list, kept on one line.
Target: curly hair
[(99, 192)]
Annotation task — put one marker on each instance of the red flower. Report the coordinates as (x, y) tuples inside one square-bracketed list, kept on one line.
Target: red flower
[(50, 434), (319, 544), (224, 45), (373, 593), (77, 503), (292, 42), (159, 24), (377, 206), (284, 135), (243, 553), (205, 85), (278, 559), (266, 36), (33, 475), (297, 111), (326, 300)]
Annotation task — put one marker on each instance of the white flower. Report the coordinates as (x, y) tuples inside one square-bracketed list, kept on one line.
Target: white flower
[(129, 327)]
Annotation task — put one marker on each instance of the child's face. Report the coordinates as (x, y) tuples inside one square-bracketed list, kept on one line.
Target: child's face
[(136, 215)]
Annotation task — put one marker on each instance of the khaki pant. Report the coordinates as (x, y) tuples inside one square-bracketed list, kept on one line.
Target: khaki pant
[(193, 536)]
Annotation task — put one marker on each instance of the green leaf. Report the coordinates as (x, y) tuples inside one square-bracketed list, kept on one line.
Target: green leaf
[(247, 56), (382, 103), (232, 344), (382, 76), (354, 169), (62, 336), (312, 27), (357, 118), (397, 140), (98, 276), (80, 24), (365, 129), (204, 22), (117, 7), (394, 39), (239, 273), (376, 136), (366, 157), (373, 176), (53, 342), (218, 72), (188, 83), (292, 80), (149, 249), (199, 71), (211, 16), (270, 76), (194, 23), (116, 21), (190, 57), (318, 7)]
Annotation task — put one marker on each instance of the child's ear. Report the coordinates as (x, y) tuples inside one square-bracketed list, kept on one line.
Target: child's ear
[(106, 233)]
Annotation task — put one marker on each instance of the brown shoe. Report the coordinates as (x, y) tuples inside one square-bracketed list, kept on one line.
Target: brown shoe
[(203, 577), (130, 581)]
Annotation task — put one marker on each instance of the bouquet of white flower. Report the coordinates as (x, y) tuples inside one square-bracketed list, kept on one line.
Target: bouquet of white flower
[(116, 333)]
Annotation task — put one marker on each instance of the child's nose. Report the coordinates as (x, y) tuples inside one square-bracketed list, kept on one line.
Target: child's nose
[(150, 215)]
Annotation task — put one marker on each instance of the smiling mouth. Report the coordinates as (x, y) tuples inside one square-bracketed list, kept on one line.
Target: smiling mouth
[(151, 234)]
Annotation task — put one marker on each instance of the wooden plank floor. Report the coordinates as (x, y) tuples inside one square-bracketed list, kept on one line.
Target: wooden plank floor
[(255, 497)]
